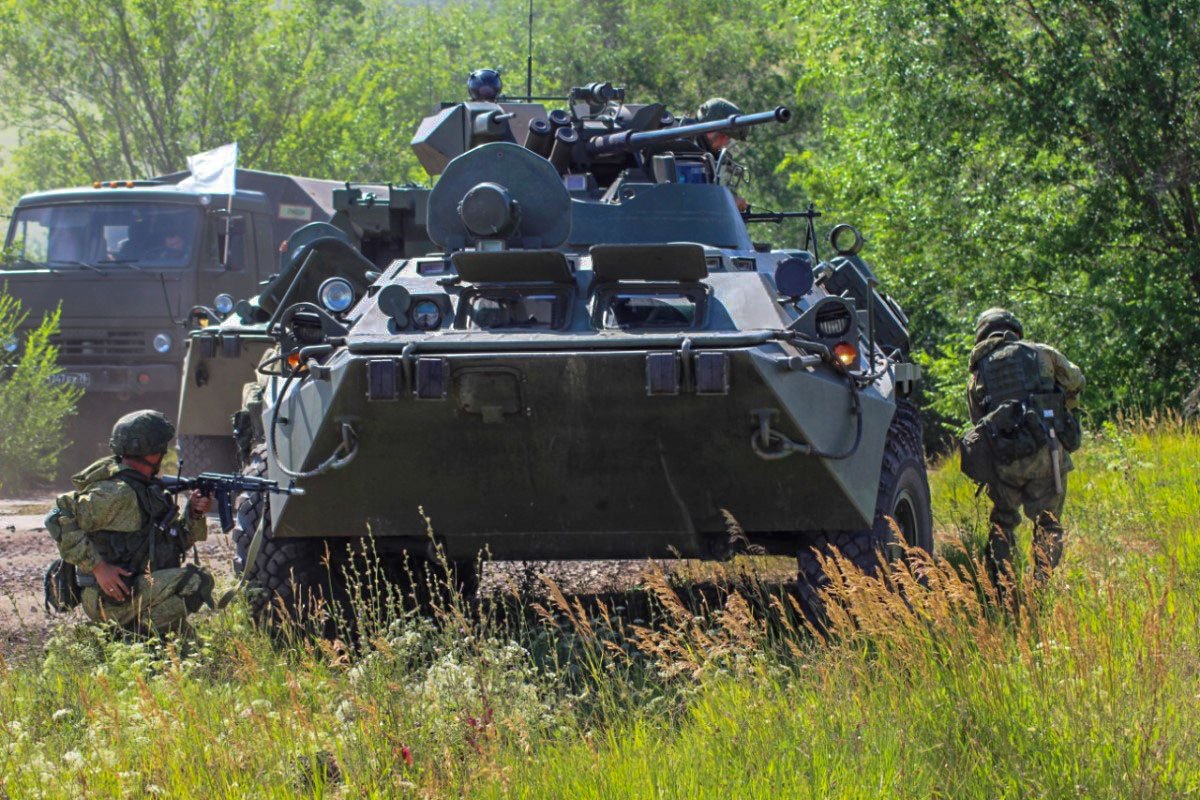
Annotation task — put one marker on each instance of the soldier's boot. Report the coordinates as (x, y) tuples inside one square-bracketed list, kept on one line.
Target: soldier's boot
[(227, 597), (1000, 563), (1047, 546)]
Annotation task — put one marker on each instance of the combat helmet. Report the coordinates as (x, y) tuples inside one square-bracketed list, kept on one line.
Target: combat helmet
[(484, 85), (141, 433), (719, 108), (997, 319)]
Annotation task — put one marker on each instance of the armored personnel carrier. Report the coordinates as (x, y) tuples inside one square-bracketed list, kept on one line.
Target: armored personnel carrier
[(596, 362)]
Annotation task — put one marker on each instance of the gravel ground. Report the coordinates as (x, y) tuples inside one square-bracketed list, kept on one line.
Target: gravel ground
[(26, 549)]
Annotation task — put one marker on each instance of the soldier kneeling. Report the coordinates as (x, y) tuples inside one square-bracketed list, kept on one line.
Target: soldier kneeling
[(126, 537)]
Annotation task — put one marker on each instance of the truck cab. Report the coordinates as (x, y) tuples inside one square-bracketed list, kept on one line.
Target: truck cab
[(126, 261)]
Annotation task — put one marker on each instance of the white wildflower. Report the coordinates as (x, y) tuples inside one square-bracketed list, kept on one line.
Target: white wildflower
[(74, 758)]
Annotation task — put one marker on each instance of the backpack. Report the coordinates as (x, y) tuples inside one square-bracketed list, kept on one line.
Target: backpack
[(61, 590), (1011, 372), (1009, 433)]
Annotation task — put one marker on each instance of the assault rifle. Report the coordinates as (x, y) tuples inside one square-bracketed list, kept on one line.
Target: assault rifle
[(223, 487)]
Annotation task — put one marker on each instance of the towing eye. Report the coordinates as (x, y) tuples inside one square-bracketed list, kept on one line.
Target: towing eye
[(345, 452), (771, 444)]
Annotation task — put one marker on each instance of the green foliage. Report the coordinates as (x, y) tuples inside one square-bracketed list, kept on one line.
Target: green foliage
[(1040, 156), (1037, 155), (140, 85), (33, 409)]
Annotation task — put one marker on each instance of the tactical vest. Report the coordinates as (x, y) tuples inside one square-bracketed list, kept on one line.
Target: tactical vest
[(1012, 372), (156, 544)]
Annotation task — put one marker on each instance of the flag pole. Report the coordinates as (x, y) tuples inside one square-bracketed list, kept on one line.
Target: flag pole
[(229, 209)]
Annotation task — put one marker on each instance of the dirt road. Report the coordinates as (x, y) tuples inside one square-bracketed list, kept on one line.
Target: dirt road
[(26, 549)]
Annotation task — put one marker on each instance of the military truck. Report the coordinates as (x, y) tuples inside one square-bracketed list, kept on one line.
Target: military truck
[(127, 260), (371, 226), (598, 362)]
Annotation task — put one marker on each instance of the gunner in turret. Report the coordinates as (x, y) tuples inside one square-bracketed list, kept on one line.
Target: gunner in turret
[(717, 143)]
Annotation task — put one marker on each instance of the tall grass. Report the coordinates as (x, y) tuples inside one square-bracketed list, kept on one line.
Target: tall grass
[(917, 684)]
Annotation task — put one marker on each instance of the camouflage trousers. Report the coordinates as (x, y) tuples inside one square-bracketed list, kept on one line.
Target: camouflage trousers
[(1043, 506), (161, 600)]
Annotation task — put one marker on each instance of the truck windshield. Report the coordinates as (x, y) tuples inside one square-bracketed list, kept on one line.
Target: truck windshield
[(103, 235)]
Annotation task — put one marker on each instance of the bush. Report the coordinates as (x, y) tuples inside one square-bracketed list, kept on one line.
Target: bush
[(33, 409)]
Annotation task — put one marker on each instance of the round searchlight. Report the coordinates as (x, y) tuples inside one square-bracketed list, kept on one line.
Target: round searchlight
[(336, 295), (162, 343), (223, 304), (794, 277)]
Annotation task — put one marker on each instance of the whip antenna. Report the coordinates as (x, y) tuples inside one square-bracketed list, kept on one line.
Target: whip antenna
[(529, 59)]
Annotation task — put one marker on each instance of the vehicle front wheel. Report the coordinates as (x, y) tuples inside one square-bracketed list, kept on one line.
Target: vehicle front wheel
[(903, 498)]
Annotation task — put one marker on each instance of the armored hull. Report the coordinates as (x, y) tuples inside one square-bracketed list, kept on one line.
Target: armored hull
[(564, 454)]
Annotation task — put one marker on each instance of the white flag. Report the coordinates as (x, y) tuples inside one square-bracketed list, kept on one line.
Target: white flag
[(213, 171)]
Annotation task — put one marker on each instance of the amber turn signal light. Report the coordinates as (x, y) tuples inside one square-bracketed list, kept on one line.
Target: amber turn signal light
[(293, 362), (846, 354)]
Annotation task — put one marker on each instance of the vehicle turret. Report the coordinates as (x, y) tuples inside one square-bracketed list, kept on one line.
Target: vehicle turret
[(596, 135)]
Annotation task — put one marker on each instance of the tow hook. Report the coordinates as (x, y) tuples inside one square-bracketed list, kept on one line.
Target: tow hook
[(770, 444)]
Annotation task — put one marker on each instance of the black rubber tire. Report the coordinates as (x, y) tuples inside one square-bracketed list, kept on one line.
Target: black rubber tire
[(207, 453), (292, 576), (289, 577), (903, 496)]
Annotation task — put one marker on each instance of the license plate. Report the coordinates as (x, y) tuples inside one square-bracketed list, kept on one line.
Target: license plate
[(80, 379)]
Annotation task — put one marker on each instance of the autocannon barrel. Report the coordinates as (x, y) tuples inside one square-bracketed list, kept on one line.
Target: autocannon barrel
[(629, 140)]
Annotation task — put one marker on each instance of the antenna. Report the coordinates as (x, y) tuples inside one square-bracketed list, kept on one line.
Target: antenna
[(428, 51), (529, 59)]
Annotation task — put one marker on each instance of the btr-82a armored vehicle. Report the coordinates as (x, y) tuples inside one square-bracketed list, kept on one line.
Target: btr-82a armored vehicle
[(597, 363)]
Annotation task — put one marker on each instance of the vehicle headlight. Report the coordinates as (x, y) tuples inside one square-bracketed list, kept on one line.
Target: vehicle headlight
[(11, 344), (833, 320), (426, 315), (336, 295), (162, 342), (223, 304)]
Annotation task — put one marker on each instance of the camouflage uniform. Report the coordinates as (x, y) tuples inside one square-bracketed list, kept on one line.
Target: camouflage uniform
[(119, 516), (247, 422), (729, 172), (1027, 483)]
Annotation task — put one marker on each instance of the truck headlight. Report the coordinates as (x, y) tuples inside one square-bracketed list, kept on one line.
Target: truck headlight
[(162, 342), (11, 344), (336, 295), (223, 304)]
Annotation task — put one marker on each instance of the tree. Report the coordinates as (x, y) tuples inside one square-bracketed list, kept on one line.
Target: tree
[(33, 408), (1040, 155), (137, 85)]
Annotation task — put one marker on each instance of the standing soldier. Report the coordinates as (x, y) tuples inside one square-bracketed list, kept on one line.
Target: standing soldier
[(126, 537), (1007, 370)]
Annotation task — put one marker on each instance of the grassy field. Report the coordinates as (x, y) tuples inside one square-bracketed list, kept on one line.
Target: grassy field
[(920, 687)]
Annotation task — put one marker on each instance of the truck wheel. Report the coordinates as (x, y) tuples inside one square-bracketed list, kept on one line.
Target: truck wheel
[(903, 497), (207, 453)]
